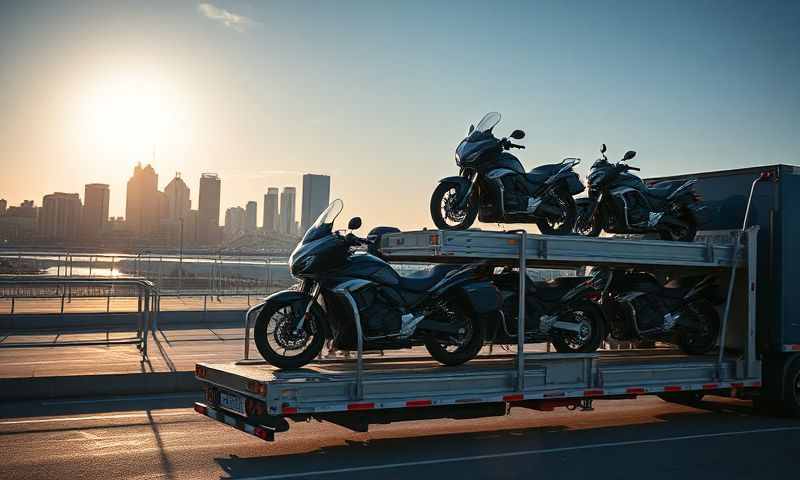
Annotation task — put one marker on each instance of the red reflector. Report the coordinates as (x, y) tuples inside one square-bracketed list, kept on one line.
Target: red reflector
[(418, 403), (200, 371), (672, 388), (289, 410), (360, 406), (710, 386), (737, 385), (635, 390), (201, 409), (794, 348), (593, 393), (434, 239), (513, 398), (257, 387), (262, 433)]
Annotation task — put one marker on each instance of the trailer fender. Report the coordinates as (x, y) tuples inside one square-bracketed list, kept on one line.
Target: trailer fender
[(299, 302)]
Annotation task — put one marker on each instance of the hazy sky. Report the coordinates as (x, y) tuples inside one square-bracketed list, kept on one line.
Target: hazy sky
[(378, 94)]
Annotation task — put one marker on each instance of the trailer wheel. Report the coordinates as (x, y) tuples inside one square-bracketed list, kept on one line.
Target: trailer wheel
[(791, 389)]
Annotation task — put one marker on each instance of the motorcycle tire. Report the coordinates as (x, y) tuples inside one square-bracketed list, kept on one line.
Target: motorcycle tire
[(686, 235), (588, 227), (598, 330), (689, 344), (262, 336), (567, 204), (465, 352), (439, 218)]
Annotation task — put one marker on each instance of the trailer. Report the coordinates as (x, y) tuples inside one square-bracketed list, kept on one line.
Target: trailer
[(261, 400)]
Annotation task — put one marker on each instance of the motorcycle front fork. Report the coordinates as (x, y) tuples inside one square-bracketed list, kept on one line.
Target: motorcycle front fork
[(315, 290), (463, 201)]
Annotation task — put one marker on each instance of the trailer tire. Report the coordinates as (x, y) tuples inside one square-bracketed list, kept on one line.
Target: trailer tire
[(790, 403)]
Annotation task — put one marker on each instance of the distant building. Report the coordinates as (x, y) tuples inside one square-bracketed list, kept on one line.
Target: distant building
[(94, 218), (19, 223), (208, 209), (142, 212), (179, 201), (60, 216), (271, 203), (251, 217), (26, 209), (191, 228), (3, 205), (234, 222), (287, 214), (316, 196)]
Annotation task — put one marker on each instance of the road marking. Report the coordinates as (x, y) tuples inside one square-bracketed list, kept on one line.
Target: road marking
[(132, 398), (98, 417), (520, 453)]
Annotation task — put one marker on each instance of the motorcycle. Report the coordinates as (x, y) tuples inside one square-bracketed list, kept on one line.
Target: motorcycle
[(345, 293), (561, 311), (620, 202), (639, 307), (492, 184)]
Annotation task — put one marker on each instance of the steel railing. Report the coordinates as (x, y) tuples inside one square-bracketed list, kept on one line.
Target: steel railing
[(146, 292)]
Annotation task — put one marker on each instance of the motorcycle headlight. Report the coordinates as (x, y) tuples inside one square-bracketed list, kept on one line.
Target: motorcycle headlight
[(596, 177), (303, 264)]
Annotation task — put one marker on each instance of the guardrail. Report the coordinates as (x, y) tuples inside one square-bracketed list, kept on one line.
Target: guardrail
[(147, 293)]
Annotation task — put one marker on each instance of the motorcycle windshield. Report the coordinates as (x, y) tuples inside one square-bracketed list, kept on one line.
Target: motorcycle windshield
[(324, 224), (484, 127)]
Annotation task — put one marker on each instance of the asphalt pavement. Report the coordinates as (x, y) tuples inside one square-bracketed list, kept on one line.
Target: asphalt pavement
[(150, 437)]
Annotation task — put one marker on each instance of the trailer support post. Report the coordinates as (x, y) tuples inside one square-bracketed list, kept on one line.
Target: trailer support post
[(523, 273)]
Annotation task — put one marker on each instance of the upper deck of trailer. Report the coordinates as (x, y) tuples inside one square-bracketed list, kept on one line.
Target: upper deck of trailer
[(439, 246)]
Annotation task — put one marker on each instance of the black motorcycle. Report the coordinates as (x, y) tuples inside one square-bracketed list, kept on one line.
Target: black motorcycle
[(494, 186), (354, 297), (620, 202), (561, 311), (638, 307)]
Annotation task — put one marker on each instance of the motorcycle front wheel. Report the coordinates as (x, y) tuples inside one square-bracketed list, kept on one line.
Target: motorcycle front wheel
[(565, 222), (277, 341), (588, 224), (444, 212)]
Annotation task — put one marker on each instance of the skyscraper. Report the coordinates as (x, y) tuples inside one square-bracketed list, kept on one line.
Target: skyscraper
[(141, 203), (94, 218), (271, 210), (178, 199), (60, 216), (316, 196), (3, 205), (251, 217), (234, 222), (208, 208), (287, 214)]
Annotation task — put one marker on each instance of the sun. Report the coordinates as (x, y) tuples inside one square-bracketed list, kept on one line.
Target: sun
[(130, 110)]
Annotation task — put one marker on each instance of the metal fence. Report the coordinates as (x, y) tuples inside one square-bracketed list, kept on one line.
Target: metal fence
[(15, 287)]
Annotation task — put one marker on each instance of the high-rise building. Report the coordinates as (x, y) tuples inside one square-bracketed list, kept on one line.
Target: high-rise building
[(3, 205), (94, 218), (60, 216), (234, 222), (19, 223), (287, 214), (142, 201), (178, 199), (208, 209), (251, 217), (316, 196), (271, 203)]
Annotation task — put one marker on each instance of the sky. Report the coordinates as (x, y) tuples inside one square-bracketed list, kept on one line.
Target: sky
[(378, 94)]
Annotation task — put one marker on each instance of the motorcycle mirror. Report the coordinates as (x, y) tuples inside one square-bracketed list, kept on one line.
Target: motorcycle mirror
[(354, 223), (471, 129), (603, 148), (628, 155), (518, 134)]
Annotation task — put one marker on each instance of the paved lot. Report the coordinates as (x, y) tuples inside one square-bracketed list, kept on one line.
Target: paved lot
[(161, 437)]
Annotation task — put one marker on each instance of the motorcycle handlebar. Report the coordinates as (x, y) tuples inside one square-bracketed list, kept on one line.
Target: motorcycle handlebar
[(634, 168), (509, 145)]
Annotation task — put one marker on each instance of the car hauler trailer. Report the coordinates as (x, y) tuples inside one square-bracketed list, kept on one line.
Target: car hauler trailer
[(261, 400)]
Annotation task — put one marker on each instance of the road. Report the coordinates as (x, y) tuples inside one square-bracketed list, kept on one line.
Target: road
[(161, 437)]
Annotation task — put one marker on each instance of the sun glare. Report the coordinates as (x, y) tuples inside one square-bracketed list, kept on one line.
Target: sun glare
[(130, 111)]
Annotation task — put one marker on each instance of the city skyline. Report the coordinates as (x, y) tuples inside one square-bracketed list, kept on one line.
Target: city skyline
[(379, 99)]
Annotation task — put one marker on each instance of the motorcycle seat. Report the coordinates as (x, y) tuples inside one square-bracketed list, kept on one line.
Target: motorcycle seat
[(423, 280), (541, 173), (554, 290), (663, 189)]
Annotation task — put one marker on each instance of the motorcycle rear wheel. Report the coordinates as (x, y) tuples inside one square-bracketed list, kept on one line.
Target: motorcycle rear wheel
[(469, 346), (566, 223), (442, 210), (586, 342), (683, 235), (692, 344)]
